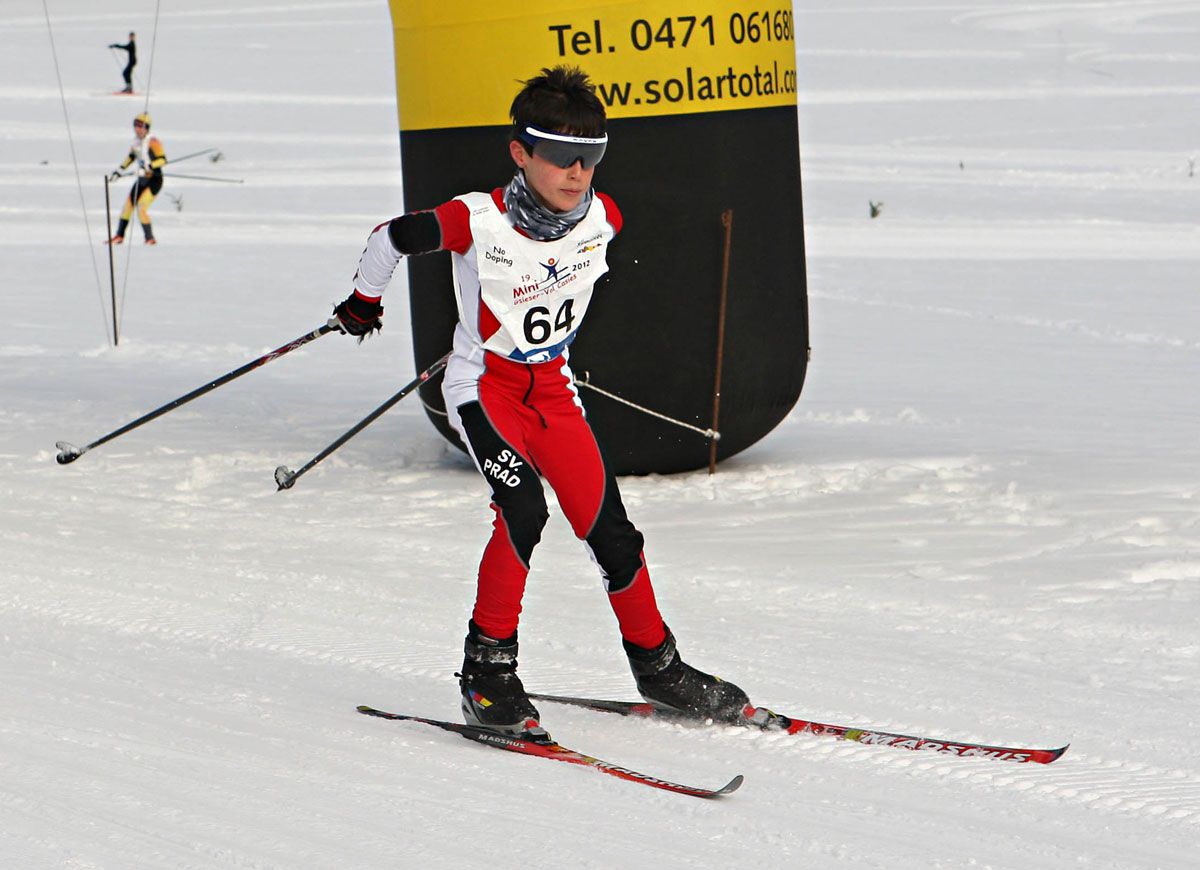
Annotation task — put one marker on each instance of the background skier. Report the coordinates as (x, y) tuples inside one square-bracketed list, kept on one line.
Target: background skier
[(127, 73), (147, 152)]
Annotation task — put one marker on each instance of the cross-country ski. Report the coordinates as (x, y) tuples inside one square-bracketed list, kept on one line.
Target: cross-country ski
[(546, 748), (768, 720)]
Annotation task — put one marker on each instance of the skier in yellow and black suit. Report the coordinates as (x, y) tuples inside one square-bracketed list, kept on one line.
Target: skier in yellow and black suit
[(148, 153)]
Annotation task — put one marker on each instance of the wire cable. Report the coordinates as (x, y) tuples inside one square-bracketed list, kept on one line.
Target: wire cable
[(75, 162)]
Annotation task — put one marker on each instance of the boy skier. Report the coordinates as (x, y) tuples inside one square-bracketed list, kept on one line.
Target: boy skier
[(149, 155), (525, 261)]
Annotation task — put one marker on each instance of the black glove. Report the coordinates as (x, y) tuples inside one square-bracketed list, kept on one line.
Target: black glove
[(359, 316)]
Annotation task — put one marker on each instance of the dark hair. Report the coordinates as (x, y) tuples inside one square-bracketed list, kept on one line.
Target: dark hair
[(561, 99)]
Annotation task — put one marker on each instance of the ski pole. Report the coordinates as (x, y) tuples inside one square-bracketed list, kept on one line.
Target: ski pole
[(286, 478), (68, 452), (204, 178), (189, 156)]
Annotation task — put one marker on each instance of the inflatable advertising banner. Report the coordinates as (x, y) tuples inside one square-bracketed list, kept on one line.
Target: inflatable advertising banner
[(707, 276)]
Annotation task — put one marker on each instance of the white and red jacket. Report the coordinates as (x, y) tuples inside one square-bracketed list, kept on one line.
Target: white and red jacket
[(511, 396), (519, 298)]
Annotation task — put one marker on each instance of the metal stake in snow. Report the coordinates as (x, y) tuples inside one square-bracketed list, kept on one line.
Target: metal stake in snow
[(68, 452), (286, 478), (112, 276)]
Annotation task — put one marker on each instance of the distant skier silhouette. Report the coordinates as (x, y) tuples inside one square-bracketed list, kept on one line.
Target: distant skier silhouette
[(130, 47)]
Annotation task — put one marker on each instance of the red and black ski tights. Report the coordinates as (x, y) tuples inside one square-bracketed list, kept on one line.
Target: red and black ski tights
[(528, 425)]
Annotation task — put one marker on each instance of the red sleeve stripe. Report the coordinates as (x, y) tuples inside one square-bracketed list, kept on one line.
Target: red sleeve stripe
[(455, 220), (611, 210)]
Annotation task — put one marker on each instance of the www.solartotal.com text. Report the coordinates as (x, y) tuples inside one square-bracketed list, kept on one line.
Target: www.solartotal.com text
[(692, 85)]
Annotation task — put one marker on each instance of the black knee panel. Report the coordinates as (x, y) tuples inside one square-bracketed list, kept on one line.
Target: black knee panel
[(524, 510), (615, 541)]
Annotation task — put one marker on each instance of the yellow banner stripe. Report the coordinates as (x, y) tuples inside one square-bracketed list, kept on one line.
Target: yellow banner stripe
[(459, 64)]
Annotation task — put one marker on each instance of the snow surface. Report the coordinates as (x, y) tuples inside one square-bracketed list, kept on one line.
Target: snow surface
[(981, 520)]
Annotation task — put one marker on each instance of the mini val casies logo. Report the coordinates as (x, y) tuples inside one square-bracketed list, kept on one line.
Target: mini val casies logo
[(520, 294)]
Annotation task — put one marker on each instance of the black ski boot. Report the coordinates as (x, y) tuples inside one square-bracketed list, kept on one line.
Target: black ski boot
[(666, 681), (119, 237), (492, 694)]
